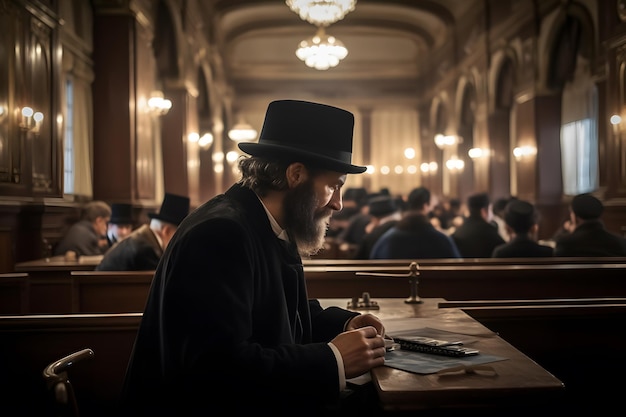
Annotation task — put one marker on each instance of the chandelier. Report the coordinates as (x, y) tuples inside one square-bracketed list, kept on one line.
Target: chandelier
[(321, 51), (321, 12)]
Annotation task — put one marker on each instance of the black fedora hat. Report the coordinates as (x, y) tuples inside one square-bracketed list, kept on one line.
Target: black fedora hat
[(121, 213), (174, 209), (307, 132)]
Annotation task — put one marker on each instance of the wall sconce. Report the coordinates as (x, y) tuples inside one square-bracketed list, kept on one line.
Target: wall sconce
[(616, 121), (429, 167), (455, 164), (524, 151), (31, 120), (204, 141), (448, 140), (241, 132), (475, 153), (158, 104)]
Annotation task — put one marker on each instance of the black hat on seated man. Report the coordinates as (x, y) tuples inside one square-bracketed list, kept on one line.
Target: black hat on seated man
[(520, 215), (311, 133), (417, 198), (587, 207), (174, 209), (478, 201), (382, 206), (121, 213)]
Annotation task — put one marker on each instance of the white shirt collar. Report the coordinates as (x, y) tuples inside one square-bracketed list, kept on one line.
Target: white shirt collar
[(278, 231)]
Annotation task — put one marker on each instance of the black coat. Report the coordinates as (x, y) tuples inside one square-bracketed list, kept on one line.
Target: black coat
[(228, 327), (476, 238), (139, 251), (522, 247), (590, 239)]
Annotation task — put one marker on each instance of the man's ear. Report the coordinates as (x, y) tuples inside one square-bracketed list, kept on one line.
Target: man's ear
[(296, 174)]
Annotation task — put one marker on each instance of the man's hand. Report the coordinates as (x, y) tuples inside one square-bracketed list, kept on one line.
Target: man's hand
[(365, 320), (361, 350)]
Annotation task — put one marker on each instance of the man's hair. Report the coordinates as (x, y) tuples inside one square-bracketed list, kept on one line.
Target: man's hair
[(418, 197), (520, 216), (94, 209), (262, 175)]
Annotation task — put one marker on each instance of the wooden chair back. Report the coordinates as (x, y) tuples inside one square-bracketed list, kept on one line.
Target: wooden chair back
[(59, 386)]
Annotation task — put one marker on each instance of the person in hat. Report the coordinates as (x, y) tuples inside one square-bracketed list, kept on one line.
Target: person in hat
[(121, 222), (588, 236), (415, 236), (476, 237), (385, 213), (228, 308), (521, 220), (142, 249), (87, 237)]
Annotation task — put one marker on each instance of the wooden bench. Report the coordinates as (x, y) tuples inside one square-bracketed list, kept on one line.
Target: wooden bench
[(580, 341), (89, 292), (470, 282), (29, 342), (14, 293)]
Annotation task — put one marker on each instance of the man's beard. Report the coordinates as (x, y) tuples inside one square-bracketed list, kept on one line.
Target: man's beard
[(304, 222)]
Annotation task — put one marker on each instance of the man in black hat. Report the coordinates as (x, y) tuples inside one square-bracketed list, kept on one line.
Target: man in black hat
[(385, 213), (588, 237), (121, 222), (476, 237), (228, 311), (143, 248), (521, 220)]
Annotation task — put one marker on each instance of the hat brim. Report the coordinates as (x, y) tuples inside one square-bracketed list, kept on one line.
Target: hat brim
[(283, 152)]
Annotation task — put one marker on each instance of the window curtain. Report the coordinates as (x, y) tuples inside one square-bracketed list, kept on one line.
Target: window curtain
[(83, 138), (579, 133)]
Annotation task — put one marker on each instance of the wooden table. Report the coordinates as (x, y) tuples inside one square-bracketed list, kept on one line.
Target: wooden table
[(518, 381)]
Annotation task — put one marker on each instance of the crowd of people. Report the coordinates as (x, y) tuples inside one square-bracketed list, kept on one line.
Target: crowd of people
[(380, 226)]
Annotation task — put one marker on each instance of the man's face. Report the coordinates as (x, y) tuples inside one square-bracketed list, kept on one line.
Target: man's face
[(308, 207), (120, 231)]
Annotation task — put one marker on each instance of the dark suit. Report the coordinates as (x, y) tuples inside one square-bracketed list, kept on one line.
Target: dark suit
[(140, 251), (414, 237), (370, 239), (228, 328), (522, 247), (590, 239), (476, 238)]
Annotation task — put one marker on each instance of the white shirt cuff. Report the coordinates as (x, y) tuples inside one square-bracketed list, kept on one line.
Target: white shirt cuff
[(342, 373)]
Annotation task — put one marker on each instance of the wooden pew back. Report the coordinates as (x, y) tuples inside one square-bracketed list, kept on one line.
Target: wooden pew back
[(471, 282), (580, 341), (29, 342), (14, 293)]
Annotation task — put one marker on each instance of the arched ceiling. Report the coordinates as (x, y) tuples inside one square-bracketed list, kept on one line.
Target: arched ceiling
[(390, 43)]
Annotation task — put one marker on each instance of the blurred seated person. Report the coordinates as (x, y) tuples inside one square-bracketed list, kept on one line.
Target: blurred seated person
[(385, 214), (355, 229), (521, 221), (414, 236), (588, 236), (121, 223), (497, 218), (87, 237), (143, 248), (476, 237)]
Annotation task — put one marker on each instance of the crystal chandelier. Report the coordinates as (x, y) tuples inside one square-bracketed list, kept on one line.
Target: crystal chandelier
[(321, 12), (321, 51)]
